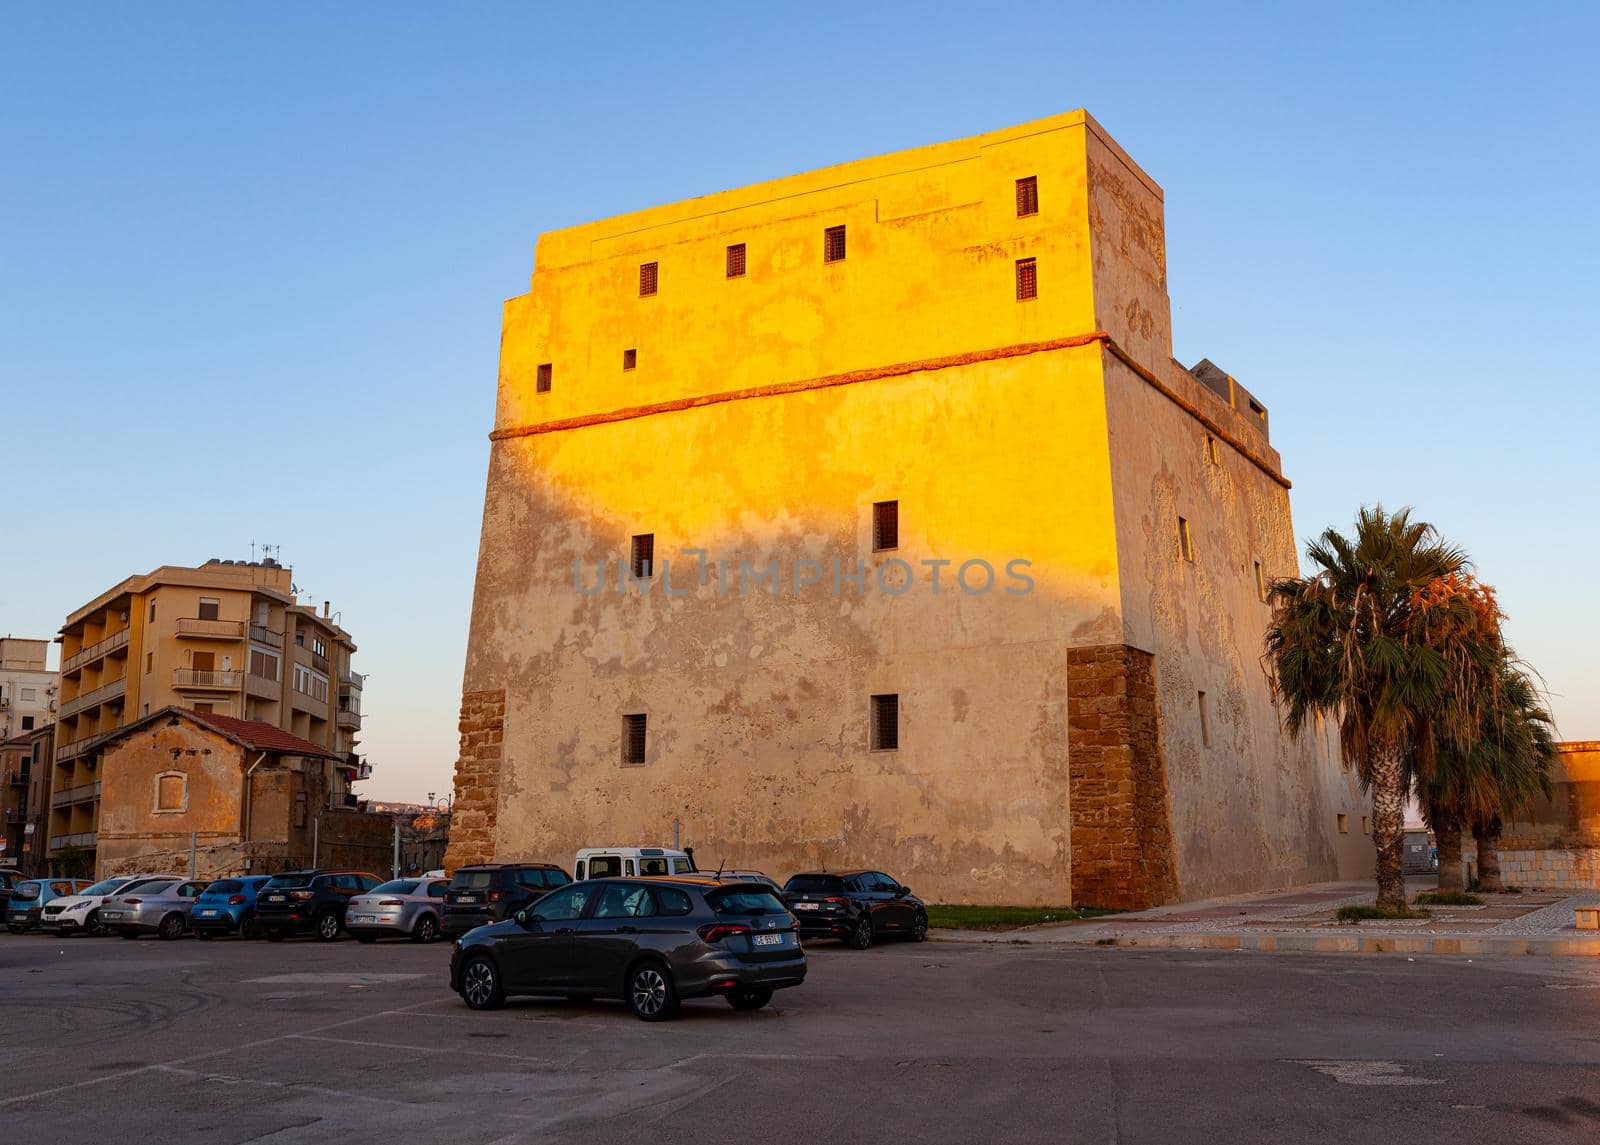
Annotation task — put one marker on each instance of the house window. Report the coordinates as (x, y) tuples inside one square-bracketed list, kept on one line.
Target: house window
[(1261, 583), (1027, 279), (149, 662), (633, 739), (1211, 449), (28, 693), (1205, 720), (736, 260), (172, 791), (630, 359), (1185, 539), (833, 244), (210, 608), (152, 608), (885, 525), (202, 709), (642, 556), (648, 278), (27, 723), (885, 731), (1028, 196), (1364, 829), (542, 376), (1344, 824)]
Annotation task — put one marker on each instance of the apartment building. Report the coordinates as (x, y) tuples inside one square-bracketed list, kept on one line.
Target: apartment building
[(27, 689), (227, 638)]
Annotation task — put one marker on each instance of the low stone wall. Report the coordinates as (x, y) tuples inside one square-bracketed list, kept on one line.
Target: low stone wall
[(1574, 868)]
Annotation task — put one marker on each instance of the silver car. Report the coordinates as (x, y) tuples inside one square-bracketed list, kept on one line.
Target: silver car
[(399, 906), (159, 907)]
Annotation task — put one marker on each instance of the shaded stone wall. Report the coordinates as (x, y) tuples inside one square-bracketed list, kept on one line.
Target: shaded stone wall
[(476, 808), (1122, 853)]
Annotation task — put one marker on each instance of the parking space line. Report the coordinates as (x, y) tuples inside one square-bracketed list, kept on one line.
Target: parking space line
[(427, 1049)]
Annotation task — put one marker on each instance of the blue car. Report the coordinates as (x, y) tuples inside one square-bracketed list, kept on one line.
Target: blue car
[(227, 906), (25, 909)]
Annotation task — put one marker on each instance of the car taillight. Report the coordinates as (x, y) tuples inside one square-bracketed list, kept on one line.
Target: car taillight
[(496, 896), (716, 931), (302, 894), (838, 899), (390, 902), (236, 900), (132, 902)]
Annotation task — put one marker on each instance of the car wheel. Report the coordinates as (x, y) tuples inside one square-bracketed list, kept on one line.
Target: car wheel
[(750, 997), (363, 936), (91, 925), (327, 926), (247, 926), (426, 930), (126, 933), (651, 994), (171, 927), (16, 928), (273, 934), (919, 928), (860, 935), (480, 984)]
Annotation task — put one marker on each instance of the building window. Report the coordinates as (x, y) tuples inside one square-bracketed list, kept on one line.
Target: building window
[(28, 693), (642, 556), (885, 525), (1027, 279), (542, 377), (1028, 196), (1205, 720), (1364, 830), (885, 730), (833, 244), (172, 791), (1256, 409), (1344, 824), (633, 739), (630, 359), (736, 260), (1211, 449), (152, 608), (27, 723), (202, 709), (648, 278), (1261, 583), (149, 662), (1185, 539)]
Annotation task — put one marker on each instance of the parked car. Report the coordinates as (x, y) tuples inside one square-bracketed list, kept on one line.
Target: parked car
[(490, 892), (25, 909), (159, 907), (409, 907), (855, 906), (631, 862), (80, 913), (227, 906), (749, 877), (651, 942), (9, 877), (314, 902)]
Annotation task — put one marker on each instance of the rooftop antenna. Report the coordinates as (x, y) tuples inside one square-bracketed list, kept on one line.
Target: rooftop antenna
[(720, 864)]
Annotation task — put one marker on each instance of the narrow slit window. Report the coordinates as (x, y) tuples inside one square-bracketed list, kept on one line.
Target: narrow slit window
[(542, 378), (1185, 539), (634, 733), (1261, 583), (642, 557), (630, 359), (833, 244), (736, 260), (1205, 720), (1028, 196), (1211, 449), (885, 526), (1344, 824), (885, 734), (1364, 826), (1027, 279), (648, 278)]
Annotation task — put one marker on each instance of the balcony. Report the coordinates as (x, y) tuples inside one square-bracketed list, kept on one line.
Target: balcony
[(198, 629), (80, 794), (345, 718), (261, 634), (309, 703), (202, 679), (100, 695), (81, 839), (95, 651), (262, 687), (351, 681), (17, 778)]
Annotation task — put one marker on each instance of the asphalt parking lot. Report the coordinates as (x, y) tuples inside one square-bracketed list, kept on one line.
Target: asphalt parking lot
[(232, 1042)]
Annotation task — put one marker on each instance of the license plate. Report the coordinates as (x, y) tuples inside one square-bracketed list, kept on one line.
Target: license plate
[(275, 898), (206, 913), (467, 898), (111, 914), (361, 918), (807, 906), (767, 940)]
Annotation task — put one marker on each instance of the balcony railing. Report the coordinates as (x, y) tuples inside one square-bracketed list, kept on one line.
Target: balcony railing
[(345, 718), (95, 651), (100, 695), (263, 687), (78, 794), (352, 681), (261, 634), (81, 839), (309, 702), (204, 678), (210, 629)]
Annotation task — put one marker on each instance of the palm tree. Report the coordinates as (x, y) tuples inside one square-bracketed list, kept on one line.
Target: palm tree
[(1391, 636)]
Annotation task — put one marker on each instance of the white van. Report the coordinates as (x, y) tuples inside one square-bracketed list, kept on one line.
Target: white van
[(623, 862)]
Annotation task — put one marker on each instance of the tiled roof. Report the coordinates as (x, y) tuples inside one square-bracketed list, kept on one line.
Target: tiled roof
[(253, 734)]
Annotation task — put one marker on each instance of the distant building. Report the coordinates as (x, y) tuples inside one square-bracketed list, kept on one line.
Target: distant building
[(16, 773), (1555, 843), (27, 690), (226, 638)]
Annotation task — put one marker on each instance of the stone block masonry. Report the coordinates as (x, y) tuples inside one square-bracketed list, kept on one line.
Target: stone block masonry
[(477, 799), (1122, 853)]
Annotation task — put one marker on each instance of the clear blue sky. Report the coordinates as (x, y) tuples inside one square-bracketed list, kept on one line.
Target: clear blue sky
[(252, 259)]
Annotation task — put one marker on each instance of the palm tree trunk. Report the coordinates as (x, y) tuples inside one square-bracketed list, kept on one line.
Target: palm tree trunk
[(1448, 834), (1488, 841), (1388, 823)]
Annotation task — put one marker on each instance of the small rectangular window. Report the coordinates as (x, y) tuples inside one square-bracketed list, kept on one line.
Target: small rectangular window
[(1027, 279), (885, 526), (833, 244), (1211, 449), (647, 278), (642, 557), (1364, 830), (736, 260), (633, 739), (630, 359), (1185, 539), (1261, 583), (1344, 824), (1205, 720), (1028, 196), (210, 607), (542, 378), (1256, 409), (885, 731), (149, 662)]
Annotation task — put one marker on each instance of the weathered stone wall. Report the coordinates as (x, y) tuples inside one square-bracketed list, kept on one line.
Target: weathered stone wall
[(475, 810), (1121, 824), (1551, 869)]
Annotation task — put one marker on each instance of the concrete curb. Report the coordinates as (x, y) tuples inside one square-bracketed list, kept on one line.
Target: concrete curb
[(1334, 944)]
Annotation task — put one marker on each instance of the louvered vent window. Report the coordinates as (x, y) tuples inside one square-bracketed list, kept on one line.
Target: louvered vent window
[(1028, 196), (633, 739), (643, 556), (542, 384), (885, 526), (833, 244), (647, 278), (736, 260), (886, 723), (1027, 279)]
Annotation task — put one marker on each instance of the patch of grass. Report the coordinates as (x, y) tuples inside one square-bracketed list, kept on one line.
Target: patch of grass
[(1007, 917), (1446, 898), (1363, 913)]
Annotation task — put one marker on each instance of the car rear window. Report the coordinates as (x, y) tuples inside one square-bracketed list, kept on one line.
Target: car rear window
[(104, 888), (288, 882), (26, 891), (158, 888), (745, 900), (397, 887), (814, 884), (473, 880), (225, 887)]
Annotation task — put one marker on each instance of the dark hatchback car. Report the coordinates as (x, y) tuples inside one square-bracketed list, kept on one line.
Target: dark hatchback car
[(651, 942), (301, 902), (490, 892), (855, 906)]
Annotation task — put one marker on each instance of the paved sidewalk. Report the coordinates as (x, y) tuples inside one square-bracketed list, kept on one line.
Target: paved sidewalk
[(1303, 919)]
